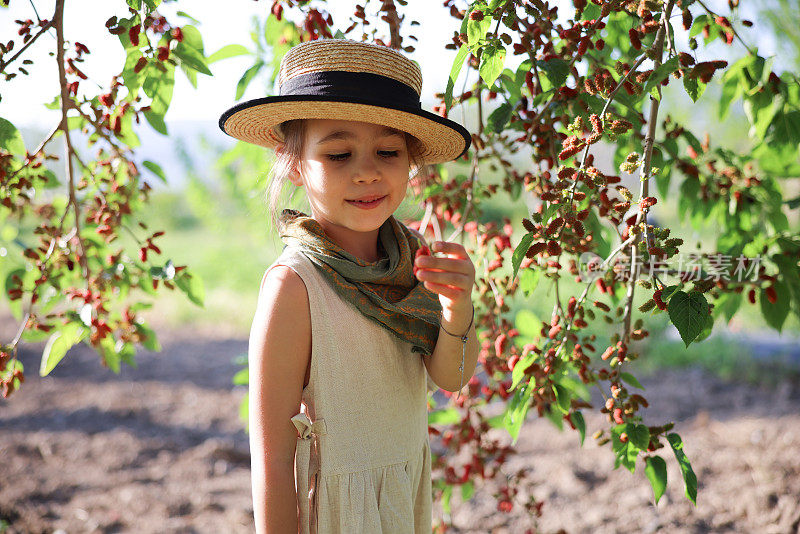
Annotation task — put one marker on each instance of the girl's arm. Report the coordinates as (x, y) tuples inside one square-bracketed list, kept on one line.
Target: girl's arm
[(452, 277), (278, 353)]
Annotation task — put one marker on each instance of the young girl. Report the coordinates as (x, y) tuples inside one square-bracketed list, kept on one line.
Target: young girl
[(350, 322)]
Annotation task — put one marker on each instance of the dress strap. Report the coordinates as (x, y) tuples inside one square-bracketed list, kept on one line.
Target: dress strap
[(308, 454)]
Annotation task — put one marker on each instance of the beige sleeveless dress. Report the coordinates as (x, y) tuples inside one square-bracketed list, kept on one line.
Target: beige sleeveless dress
[(363, 459)]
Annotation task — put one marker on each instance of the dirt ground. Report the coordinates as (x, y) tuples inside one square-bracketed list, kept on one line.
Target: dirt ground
[(161, 449)]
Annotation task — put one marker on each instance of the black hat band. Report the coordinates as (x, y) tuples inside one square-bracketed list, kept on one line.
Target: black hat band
[(339, 84)]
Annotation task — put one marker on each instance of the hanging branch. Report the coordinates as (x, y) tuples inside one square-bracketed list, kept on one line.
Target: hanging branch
[(4, 64), (58, 21), (644, 176)]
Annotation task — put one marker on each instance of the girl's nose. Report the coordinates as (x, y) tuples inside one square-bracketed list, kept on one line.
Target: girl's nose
[(366, 171)]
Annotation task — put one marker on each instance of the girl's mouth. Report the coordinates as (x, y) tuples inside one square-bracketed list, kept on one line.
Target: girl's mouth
[(366, 205)]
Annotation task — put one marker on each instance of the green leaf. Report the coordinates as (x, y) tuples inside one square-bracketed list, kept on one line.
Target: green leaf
[(448, 416), (192, 285), (555, 73), (512, 83), (516, 410), (563, 398), (694, 88), (668, 291), (135, 4), (467, 491), (231, 50), (246, 78), (689, 478), (156, 169), (151, 341), (555, 417), (697, 25), (476, 30), (57, 346), (630, 379), (639, 435), (775, 314), (187, 16), (790, 276), (126, 352), (689, 313), (158, 86), (660, 74), (492, 60), (110, 355), (591, 12), (10, 139), (497, 120), (518, 373), (656, 471), (580, 424), (455, 70), (192, 58), (520, 250), (131, 79), (190, 73), (447, 493), (192, 38), (626, 453)]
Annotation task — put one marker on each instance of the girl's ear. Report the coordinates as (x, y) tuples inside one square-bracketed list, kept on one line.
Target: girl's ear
[(294, 174)]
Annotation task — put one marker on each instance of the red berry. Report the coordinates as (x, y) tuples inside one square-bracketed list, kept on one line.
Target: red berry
[(140, 64), (772, 296), (133, 34), (163, 53), (634, 38), (618, 416)]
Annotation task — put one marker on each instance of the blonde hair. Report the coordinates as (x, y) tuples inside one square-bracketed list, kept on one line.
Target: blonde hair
[(294, 134)]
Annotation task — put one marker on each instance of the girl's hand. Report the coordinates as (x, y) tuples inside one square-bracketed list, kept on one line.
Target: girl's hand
[(451, 276)]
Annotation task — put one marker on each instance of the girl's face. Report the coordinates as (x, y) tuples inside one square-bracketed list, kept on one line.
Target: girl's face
[(344, 161)]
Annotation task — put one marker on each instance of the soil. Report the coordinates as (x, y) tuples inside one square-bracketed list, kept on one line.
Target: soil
[(161, 448)]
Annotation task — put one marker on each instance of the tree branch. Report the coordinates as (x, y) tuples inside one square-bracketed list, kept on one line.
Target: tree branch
[(735, 33), (4, 64), (644, 176), (58, 20)]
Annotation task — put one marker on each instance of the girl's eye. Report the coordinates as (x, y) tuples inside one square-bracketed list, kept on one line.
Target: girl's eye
[(338, 157), (388, 153)]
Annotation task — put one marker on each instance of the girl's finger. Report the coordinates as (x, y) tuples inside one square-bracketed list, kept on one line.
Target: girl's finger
[(446, 291), (457, 265), (446, 278), (451, 249)]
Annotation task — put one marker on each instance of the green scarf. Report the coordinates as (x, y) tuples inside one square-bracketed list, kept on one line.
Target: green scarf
[(385, 291)]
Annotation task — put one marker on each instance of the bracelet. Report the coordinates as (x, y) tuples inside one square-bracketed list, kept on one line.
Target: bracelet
[(463, 347)]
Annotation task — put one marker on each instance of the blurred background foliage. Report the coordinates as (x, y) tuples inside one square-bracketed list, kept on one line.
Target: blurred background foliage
[(217, 222)]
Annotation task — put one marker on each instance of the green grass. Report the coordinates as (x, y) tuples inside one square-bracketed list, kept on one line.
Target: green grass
[(724, 358)]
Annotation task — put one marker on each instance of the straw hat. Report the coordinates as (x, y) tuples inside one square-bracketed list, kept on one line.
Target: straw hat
[(347, 80)]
